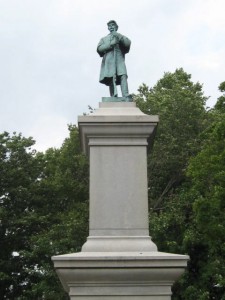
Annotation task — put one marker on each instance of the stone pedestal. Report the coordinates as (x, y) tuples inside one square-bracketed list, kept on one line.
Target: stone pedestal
[(119, 259)]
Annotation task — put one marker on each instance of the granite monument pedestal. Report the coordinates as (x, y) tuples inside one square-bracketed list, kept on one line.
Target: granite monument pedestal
[(119, 259)]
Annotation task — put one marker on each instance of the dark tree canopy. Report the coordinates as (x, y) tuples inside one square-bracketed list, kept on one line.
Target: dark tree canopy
[(192, 219), (43, 212), (180, 104)]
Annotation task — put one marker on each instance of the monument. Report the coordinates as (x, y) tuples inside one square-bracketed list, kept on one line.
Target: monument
[(119, 259)]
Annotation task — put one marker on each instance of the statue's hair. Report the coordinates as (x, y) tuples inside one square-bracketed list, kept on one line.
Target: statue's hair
[(112, 21)]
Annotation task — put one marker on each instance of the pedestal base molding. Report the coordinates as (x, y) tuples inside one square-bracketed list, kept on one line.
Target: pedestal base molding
[(118, 244), (119, 275)]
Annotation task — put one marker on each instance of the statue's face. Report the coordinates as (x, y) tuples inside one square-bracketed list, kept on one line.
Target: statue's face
[(112, 27)]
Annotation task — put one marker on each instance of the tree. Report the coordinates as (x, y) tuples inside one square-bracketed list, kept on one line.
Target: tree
[(43, 212), (180, 105), (207, 173), (20, 170), (192, 221), (220, 104), (64, 190)]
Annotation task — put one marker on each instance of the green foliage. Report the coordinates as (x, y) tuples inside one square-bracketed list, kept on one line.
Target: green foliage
[(20, 169), (192, 220), (220, 105), (207, 172), (43, 212), (180, 105)]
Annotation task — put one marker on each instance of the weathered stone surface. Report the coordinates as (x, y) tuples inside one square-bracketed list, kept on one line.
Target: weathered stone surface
[(119, 260), (116, 137), (116, 275), (122, 120)]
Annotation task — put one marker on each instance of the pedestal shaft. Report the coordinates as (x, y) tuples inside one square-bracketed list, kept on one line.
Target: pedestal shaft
[(116, 139)]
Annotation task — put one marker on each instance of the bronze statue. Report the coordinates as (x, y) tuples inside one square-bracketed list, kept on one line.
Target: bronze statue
[(113, 48)]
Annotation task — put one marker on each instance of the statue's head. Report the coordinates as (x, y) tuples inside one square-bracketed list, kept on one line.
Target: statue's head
[(112, 25)]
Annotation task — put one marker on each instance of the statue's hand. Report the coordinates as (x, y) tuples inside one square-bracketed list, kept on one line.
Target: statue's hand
[(114, 42), (117, 36)]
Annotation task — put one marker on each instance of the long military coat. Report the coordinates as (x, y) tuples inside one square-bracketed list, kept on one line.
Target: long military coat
[(113, 62)]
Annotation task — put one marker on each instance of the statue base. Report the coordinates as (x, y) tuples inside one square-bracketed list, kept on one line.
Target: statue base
[(119, 275), (117, 99)]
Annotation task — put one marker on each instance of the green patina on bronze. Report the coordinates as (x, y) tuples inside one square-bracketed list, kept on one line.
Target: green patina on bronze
[(112, 48)]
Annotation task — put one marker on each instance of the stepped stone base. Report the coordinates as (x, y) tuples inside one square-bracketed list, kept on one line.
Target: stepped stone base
[(119, 275)]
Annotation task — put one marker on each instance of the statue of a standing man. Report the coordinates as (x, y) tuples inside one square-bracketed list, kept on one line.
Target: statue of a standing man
[(113, 48)]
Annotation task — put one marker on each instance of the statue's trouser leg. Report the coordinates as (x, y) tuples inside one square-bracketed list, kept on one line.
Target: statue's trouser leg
[(111, 88), (124, 85)]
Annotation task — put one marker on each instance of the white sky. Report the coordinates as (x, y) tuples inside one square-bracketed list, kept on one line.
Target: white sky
[(49, 67)]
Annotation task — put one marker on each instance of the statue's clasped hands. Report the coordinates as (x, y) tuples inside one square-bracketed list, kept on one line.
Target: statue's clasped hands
[(115, 38)]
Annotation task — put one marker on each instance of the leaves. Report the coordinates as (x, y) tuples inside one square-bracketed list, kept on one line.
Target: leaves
[(180, 105), (192, 219), (43, 212)]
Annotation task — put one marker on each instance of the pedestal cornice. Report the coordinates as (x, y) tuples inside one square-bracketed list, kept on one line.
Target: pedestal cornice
[(121, 120)]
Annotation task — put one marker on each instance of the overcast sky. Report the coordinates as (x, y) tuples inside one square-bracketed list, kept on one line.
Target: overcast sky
[(49, 67)]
